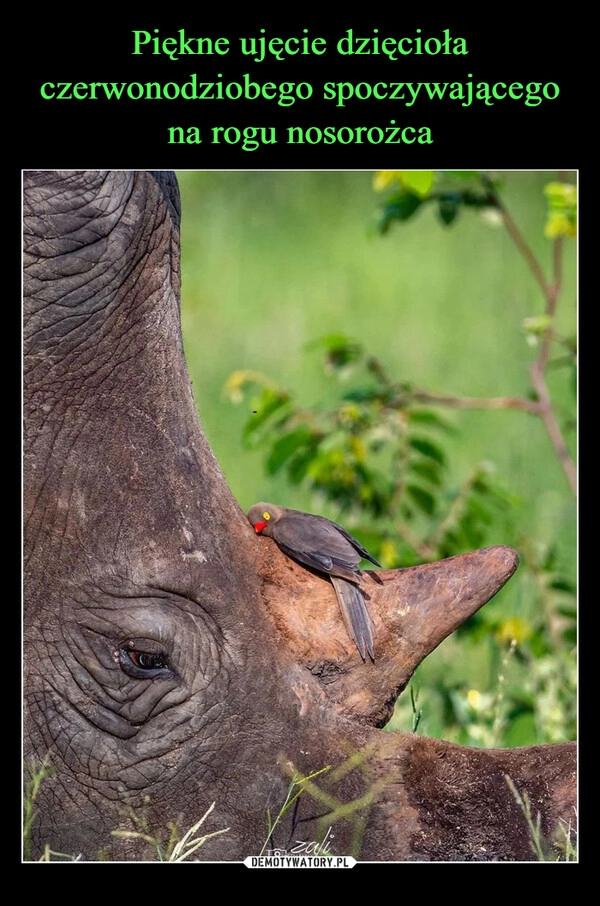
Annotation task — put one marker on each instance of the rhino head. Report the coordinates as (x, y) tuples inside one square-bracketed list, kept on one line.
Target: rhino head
[(174, 662)]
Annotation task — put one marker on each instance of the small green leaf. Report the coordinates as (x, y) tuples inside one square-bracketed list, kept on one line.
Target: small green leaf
[(472, 532), (300, 462), (570, 635), (429, 470), (562, 584), (427, 448), (537, 324), (417, 181), (549, 561), (539, 645), (562, 210), (476, 512), (362, 395), (429, 417), (448, 209), (461, 174), (330, 341), (480, 200), (339, 350), (286, 446), (422, 498), (401, 206), (521, 730)]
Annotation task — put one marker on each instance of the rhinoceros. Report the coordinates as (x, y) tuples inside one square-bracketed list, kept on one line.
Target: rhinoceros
[(176, 666)]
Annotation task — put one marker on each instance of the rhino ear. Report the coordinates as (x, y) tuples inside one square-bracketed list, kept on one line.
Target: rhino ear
[(412, 611)]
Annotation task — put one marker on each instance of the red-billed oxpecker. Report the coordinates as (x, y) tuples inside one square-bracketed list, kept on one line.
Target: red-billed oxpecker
[(327, 548)]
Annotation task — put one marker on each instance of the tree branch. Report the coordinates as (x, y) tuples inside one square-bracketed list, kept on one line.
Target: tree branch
[(472, 402), (551, 293)]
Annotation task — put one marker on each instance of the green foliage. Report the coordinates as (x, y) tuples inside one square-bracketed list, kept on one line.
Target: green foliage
[(448, 191), (376, 452), (378, 456), (562, 210), (35, 774)]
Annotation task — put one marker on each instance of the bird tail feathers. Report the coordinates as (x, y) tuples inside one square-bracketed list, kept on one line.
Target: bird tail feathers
[(355, 615)]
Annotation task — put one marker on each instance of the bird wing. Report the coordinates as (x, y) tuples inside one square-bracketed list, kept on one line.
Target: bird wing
[(321, 562), (337, 546), (364, 553), (318, 543)]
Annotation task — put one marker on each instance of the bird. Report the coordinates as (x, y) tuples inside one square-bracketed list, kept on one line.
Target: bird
[(329, 549)]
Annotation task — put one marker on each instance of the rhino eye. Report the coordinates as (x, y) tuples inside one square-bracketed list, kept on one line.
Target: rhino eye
[(141, 661), (147, 661)]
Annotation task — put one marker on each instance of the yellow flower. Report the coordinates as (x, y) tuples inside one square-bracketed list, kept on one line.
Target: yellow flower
[(474, 698), (388, 555), (513, 628)]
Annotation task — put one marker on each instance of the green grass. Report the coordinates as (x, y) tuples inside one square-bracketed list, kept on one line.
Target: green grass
[(177, 848), (562, 849)]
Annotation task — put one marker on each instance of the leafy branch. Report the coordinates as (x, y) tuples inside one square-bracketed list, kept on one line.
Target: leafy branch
[(378, 452), (379, 455), (412, 189)]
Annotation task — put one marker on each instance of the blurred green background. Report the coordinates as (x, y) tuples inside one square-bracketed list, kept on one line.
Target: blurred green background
[(271, 261)]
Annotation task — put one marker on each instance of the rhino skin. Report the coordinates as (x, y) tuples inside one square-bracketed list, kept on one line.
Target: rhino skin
[(172, 659)]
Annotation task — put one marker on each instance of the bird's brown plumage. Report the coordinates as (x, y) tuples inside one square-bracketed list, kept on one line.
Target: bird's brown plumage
[(327, 548)]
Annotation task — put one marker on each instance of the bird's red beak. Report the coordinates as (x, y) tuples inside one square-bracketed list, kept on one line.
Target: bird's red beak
[(259, 526)]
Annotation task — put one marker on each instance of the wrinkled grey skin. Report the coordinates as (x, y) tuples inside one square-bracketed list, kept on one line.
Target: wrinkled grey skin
[(125, 544), (154, 683)]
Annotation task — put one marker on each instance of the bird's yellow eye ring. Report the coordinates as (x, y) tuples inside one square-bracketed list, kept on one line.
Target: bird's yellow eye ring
[(266, 516)]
